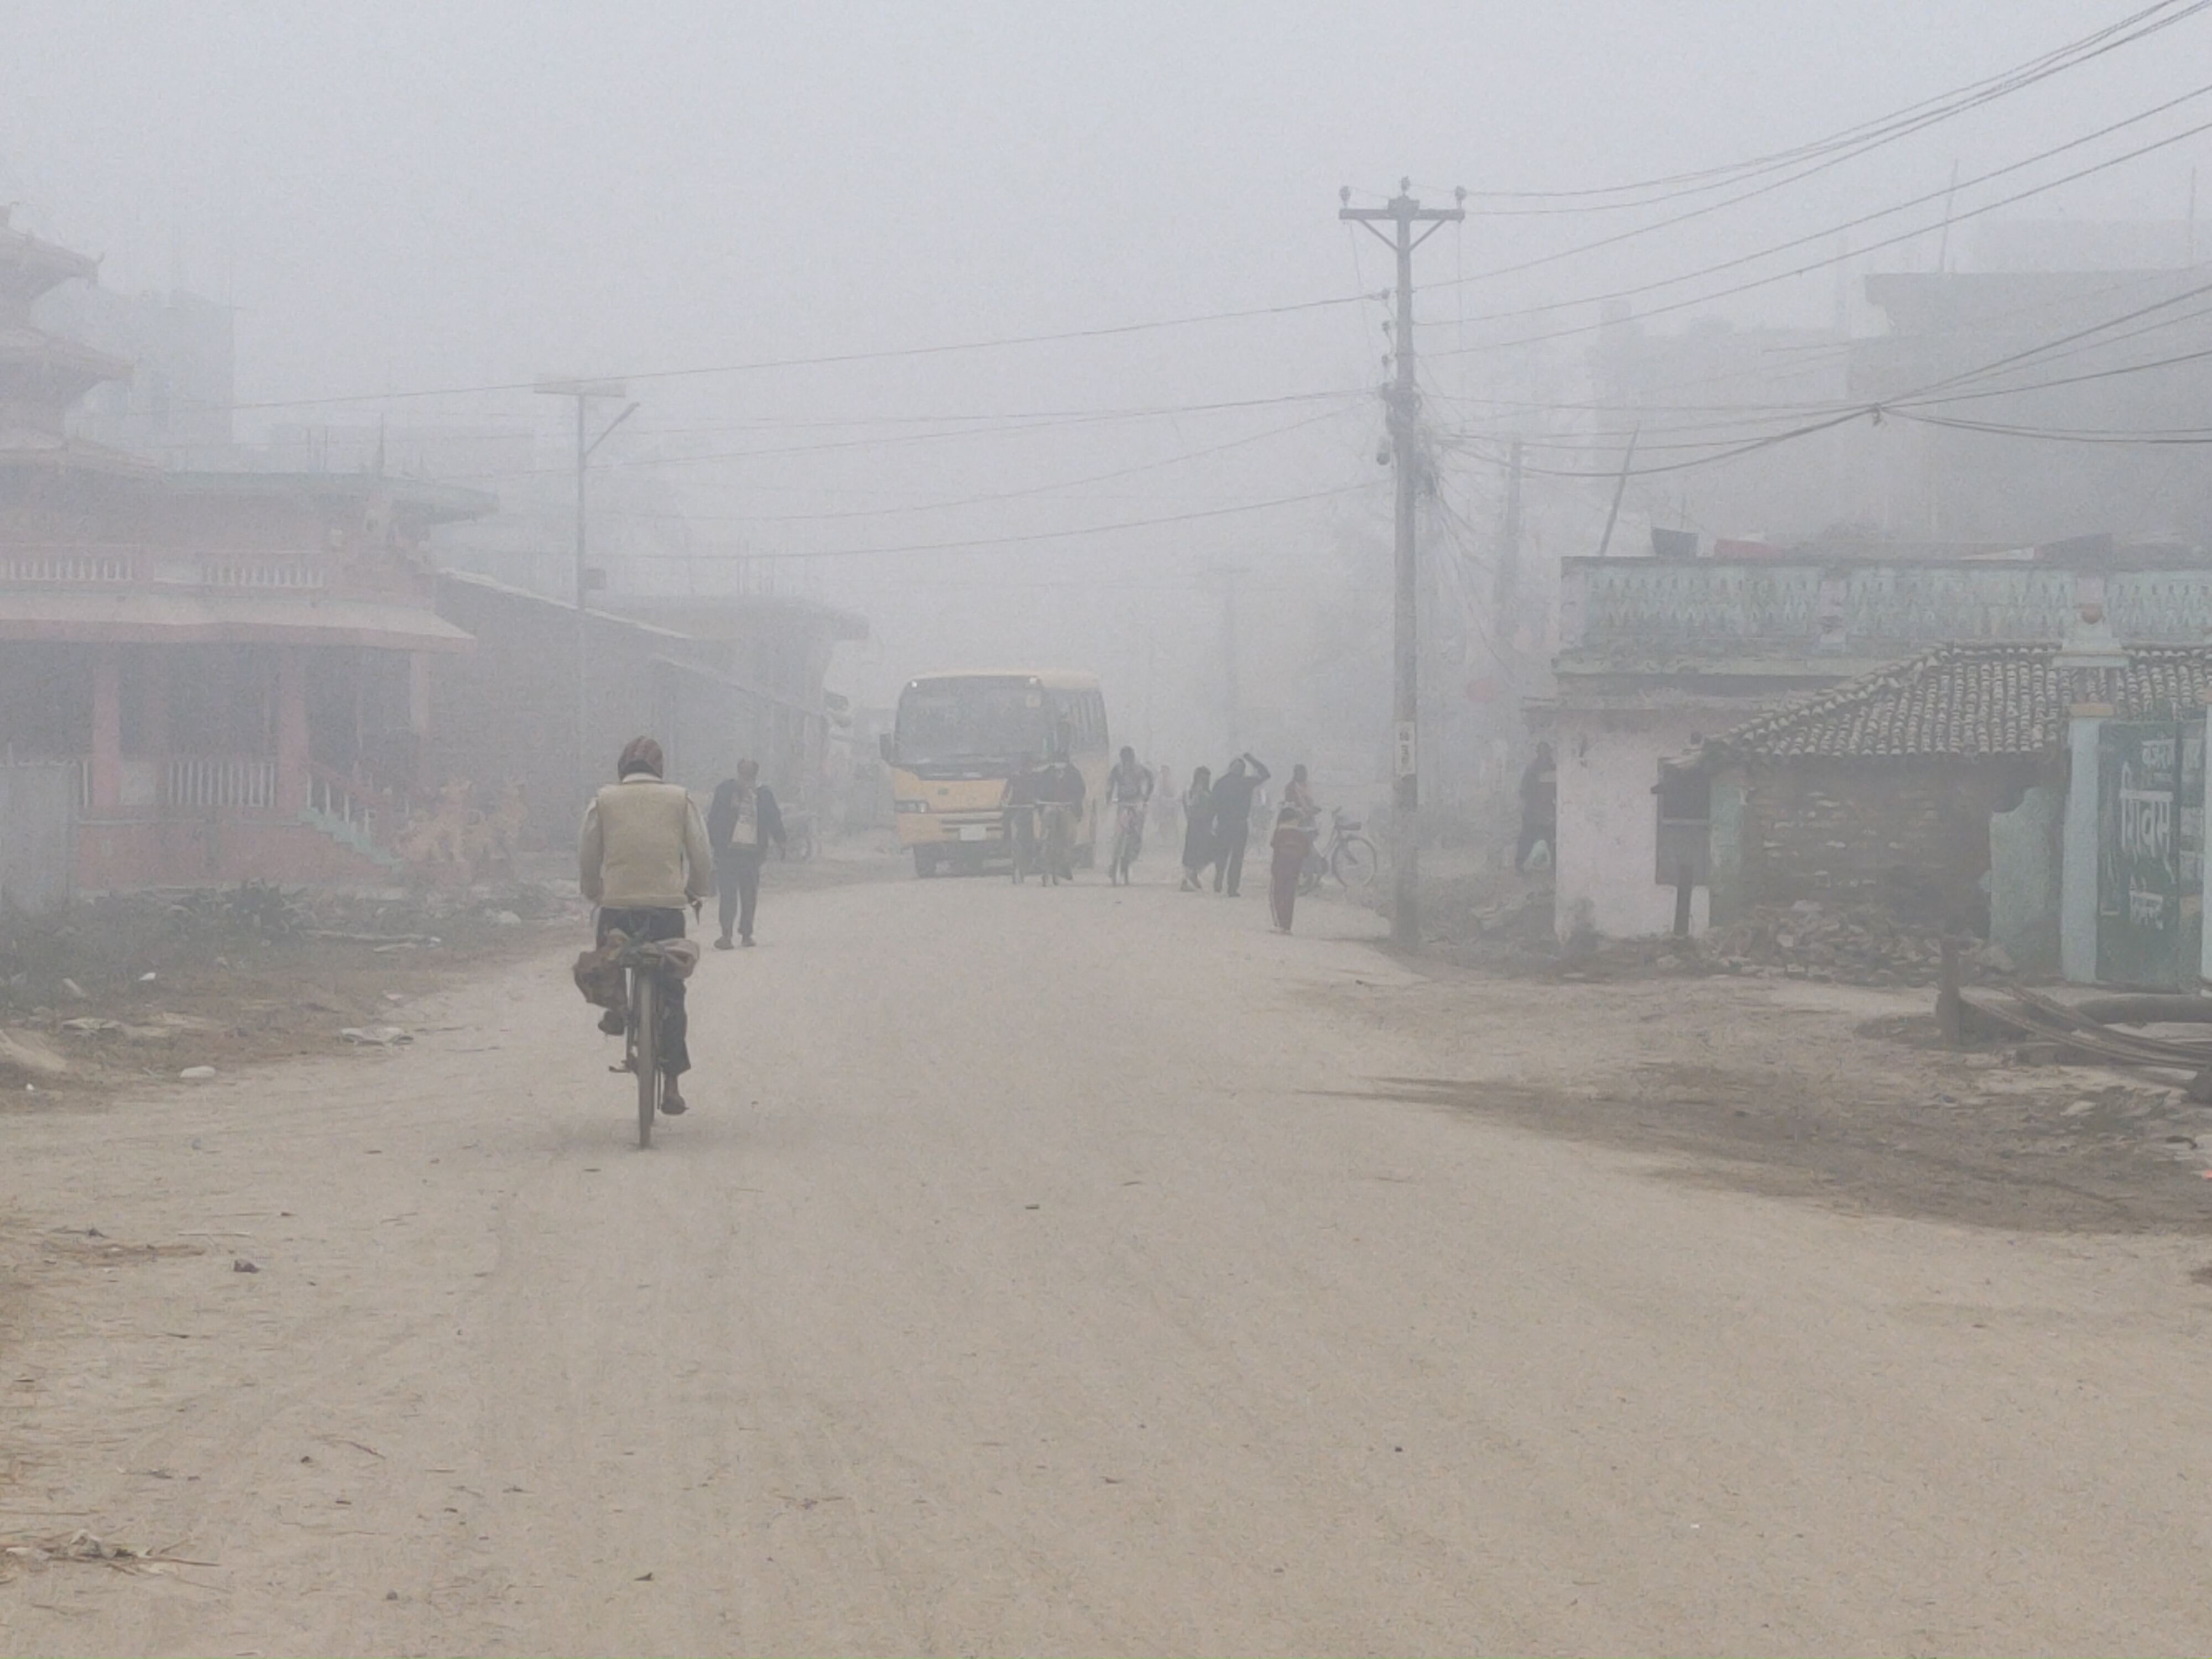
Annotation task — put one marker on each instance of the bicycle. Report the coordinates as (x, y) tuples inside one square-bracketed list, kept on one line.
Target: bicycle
[(1341, 851), (1057, 854), (1128, 840), (642, 966), (801, 842)]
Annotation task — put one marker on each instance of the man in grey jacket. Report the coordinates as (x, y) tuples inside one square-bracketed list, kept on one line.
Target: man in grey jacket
[(641, 857)]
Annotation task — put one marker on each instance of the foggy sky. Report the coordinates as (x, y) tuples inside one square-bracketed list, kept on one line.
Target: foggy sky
[(402, 197)]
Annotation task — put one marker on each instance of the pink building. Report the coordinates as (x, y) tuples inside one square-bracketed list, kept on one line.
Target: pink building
[(236, 663)]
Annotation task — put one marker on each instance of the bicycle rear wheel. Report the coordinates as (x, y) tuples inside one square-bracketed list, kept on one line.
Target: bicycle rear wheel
[(645, 1011), (1353, 862)]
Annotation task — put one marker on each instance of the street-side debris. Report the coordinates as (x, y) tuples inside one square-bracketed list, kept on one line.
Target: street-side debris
[(375, 1037), (91, 1025), (25, 1053), (197, 1073), (20, 1554), (240, 1264)]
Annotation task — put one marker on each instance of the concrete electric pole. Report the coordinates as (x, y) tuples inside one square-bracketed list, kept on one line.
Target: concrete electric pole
[(1403, 400), (583, 392)]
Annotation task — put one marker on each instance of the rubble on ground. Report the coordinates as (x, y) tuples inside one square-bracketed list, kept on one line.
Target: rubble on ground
[(1848, 946), (125, 944)]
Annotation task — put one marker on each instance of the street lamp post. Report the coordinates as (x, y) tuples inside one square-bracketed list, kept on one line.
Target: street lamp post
[(583, 392)]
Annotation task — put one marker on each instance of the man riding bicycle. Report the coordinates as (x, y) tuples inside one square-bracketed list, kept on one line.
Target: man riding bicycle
[(1129, 792), (644, 855)]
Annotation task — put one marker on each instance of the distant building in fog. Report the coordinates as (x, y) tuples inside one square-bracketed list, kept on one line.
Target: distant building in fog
[(174, 401)]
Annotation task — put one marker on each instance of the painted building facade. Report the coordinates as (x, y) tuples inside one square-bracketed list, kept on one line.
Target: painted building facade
[(1657, 655), (235, 663)]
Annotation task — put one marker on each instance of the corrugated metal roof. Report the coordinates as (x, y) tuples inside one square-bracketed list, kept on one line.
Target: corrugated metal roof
[(1969, 701)]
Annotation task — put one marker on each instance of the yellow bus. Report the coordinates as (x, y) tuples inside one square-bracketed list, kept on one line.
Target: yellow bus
[(959, 739)]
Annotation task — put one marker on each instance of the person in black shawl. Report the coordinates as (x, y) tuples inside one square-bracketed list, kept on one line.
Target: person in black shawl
[(743, 820)]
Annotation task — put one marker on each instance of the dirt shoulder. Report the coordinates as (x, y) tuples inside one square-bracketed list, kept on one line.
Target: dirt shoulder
[(125, 990), (1827, 1092)]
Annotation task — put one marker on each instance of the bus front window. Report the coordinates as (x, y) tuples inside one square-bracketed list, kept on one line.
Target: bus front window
[(969, 723)]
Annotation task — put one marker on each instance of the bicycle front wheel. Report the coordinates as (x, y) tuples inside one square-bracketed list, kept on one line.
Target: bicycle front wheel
[(645, 1011), (1353, 863)]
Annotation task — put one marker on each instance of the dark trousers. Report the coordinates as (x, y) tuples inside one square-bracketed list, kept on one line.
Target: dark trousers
[(1283, 886), (736, 879), (1229, 850), (642, 927)]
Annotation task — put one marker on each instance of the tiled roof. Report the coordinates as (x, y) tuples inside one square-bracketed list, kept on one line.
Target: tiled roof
[(1971, 699)]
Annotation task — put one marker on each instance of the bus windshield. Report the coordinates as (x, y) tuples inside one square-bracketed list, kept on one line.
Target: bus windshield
[(969, 721)]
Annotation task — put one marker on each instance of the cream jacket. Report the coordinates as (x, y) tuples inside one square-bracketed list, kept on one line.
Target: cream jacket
[(644, 847)]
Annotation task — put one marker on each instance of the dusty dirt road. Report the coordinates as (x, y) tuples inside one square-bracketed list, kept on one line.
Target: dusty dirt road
[(1050, 1272)]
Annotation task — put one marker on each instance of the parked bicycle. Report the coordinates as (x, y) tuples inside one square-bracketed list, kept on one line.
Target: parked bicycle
[(1341, 851)]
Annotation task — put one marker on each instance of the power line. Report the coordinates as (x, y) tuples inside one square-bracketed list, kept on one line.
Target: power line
[(887, 353), (2145, 23), (1619, 237), (979, 544), (2183, 436), (1818, 265), (647, 462), (1000, 495), (1850, 224)]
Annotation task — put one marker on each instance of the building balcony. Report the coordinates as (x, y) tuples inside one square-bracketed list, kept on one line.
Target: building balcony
[(1625, 614), (94, 594)]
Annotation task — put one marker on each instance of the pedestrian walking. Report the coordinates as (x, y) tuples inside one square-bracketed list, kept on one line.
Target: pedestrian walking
[(1540, 808), (1232, 819), (1197, 828), (742, 821), (1290, 843)]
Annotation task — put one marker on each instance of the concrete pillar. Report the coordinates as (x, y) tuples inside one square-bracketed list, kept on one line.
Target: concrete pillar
[(107, 730), (2077, 864), (291, 729)]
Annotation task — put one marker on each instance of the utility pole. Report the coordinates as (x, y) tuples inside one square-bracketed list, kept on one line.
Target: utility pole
[(1403, 401), (583, 392), (1506, 596)]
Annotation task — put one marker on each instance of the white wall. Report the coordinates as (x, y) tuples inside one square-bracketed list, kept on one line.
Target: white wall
[(1609, 819)]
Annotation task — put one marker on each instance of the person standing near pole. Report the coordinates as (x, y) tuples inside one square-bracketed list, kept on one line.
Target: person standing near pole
[(742, 821), (1232, 819)]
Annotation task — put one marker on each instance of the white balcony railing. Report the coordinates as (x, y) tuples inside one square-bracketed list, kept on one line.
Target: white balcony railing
[(206, 783)]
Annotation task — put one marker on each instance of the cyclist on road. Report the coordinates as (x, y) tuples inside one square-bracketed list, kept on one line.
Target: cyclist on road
[(1129, 792), (643, 856)]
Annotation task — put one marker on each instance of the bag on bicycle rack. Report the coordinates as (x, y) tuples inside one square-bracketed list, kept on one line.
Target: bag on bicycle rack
[(599, 973)]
